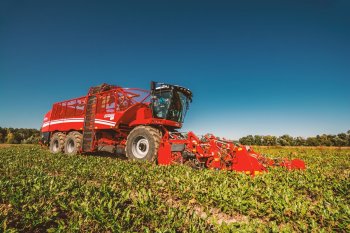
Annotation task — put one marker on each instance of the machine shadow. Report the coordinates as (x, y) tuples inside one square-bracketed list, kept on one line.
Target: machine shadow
[(105, 154)]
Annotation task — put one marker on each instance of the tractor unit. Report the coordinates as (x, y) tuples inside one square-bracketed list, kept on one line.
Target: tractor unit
[(143, 125)]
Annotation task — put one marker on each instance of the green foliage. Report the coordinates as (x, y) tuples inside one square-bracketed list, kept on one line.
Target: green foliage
[(19, 135), (40, 191), (342, 139), (10, 138)]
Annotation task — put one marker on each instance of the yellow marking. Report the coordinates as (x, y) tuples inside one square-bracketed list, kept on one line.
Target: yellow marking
[(239, 149)]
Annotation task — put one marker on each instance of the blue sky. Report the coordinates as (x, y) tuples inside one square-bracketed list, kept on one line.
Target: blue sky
[(255, 67)]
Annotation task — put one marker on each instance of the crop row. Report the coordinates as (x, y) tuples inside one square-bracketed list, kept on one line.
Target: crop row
[(98, 193)]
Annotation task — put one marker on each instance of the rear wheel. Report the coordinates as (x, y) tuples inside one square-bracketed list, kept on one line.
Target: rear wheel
[(72, 145), (57, 142), (143, 143)]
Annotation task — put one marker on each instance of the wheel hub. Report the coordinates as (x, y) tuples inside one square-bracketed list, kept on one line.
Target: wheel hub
[(70, 146), (55, 146), (140, 147)]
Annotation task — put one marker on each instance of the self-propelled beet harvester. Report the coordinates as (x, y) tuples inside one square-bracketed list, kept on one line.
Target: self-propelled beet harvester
[(144, 125)]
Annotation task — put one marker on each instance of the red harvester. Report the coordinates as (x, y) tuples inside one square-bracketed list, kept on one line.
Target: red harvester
[(143, 125)]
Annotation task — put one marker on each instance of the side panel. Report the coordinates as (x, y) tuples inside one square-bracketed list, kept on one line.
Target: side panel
[(67, 115), (66, 124), (46, 122)]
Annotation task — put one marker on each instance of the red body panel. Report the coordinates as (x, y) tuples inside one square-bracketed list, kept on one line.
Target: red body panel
[(114, 107)]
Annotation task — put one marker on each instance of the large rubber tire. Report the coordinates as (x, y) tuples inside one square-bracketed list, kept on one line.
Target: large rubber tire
[(142, 144), (57, 143), (73, 143)]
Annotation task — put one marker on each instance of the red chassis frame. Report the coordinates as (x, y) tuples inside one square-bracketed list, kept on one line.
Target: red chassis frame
[(215, 153)]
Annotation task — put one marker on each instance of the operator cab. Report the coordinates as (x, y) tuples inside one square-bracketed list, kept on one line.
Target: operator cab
[(170, 102)]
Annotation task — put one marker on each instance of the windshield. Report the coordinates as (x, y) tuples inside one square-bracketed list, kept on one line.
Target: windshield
[(178, 107), (171, 105), (161, 102)]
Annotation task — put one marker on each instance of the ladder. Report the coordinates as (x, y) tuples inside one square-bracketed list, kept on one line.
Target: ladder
[(89, 124), (89, 120)]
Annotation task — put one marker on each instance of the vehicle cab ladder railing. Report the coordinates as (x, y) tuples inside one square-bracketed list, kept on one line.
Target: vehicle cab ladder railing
[(89, 124), (89, 119)]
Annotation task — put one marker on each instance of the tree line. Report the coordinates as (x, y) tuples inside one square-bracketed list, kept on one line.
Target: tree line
[(342, 139), (32, 136), (19, 136)]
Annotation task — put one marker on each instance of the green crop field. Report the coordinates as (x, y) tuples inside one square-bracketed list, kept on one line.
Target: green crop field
[(43, 192)]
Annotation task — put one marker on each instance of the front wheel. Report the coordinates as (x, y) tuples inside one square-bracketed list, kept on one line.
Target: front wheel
[(142, 143)]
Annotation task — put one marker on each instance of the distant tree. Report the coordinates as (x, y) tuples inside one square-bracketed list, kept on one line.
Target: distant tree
[(312, 141), (18, 137), (299, 141), (10, 138), (285, 140), (21, 135), (3, 131), (270, 140), (341, 139), (248, 140), (343, 136), (34, 139), (324, 140), (258, 140), (333, 139)]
